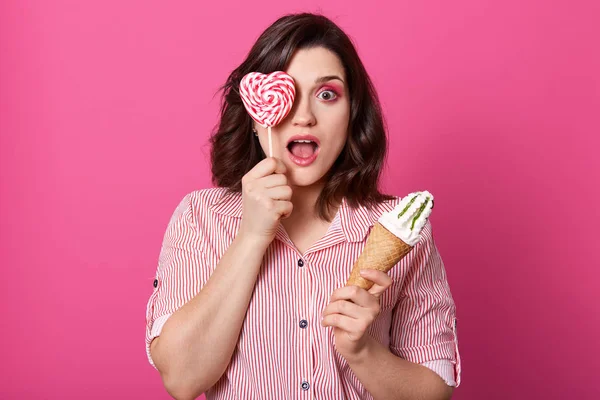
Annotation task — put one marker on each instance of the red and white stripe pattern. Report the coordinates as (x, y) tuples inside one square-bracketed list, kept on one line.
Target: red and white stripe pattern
[(268, 98), (283, 351)]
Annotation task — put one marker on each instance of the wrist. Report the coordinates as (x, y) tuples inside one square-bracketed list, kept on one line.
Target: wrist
[(252, 240), (366, 352)]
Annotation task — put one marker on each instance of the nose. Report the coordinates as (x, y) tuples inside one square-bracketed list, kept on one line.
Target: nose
[(302, 113)]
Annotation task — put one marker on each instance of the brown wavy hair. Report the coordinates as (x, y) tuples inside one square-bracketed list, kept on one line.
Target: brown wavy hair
[(356, 172)]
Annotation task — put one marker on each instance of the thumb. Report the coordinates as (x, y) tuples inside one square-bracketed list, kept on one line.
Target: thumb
[(381, 281)]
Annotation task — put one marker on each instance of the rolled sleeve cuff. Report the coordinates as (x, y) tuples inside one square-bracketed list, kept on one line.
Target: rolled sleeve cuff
[(444, 368), (155, 331), (432, 353)]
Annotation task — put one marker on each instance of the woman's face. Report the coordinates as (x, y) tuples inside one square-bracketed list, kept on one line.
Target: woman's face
[(320, 114)]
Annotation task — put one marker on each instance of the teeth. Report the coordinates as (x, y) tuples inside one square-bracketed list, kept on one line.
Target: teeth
[(302, 141)]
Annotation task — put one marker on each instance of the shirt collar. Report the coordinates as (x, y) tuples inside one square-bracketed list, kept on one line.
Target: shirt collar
[(228, 203), (355, 222)]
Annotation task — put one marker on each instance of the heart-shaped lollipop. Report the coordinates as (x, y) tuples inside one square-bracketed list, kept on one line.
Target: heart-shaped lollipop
[(268, 98)]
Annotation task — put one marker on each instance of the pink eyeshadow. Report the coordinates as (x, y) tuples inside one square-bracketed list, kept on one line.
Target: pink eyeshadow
[(337, 89)]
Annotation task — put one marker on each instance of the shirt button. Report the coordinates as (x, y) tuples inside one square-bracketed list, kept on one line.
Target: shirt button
[(303, 323), (300, 263), (155, 283), (305, 385)]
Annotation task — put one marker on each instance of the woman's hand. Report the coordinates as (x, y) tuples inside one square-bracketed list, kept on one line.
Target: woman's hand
[(266, 199), (351, 311)]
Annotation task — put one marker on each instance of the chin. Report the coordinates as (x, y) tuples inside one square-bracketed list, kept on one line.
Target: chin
[(304, 179)]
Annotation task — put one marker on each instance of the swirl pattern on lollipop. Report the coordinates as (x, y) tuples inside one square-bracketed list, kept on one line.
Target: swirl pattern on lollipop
[(268, 98)]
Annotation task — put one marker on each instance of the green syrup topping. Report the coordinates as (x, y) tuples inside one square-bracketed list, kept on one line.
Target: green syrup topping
[(407, 206), (419, 213)]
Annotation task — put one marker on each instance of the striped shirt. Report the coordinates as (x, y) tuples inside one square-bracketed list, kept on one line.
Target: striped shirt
[(283, 352)]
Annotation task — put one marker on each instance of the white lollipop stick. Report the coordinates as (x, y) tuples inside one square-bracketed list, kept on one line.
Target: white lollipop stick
[(270, 142)]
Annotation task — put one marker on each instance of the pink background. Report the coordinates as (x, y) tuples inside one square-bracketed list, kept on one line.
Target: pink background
[(106, 108)]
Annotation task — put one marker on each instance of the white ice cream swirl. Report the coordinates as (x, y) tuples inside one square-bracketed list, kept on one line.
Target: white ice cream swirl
[(409, 217)]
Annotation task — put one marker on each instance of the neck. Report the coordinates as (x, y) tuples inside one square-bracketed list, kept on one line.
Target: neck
[(304, 199)]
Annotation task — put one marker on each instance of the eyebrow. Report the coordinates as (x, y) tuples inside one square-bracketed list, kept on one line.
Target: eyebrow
[(328, 78)]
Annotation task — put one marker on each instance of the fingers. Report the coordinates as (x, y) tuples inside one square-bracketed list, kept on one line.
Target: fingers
[(346, 308), (266, 167), (353, 309), (279, 193), (354, 327), (266, 199), (280, 167), (356, 295), (274, 180), (284, 208), (381, 281)]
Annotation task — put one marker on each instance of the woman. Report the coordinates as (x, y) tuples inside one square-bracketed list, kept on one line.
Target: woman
[(249, 299)]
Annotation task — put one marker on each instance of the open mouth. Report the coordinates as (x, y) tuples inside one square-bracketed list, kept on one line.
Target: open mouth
[(303, 148)]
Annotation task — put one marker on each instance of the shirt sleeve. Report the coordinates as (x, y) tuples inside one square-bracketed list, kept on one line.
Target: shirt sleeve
[(181, 271), (424, 319), (444, 368)]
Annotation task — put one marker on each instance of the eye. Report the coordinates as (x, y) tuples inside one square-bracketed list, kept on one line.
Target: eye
[(327, 95)]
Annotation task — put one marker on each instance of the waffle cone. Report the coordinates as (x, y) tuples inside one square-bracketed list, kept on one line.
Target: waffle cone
[(382, 251)]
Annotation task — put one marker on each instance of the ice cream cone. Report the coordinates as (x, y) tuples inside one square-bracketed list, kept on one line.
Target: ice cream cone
[(393, 236), (382, 251)]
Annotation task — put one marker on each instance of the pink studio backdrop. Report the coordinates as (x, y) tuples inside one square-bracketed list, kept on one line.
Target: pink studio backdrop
[(106, 108)]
